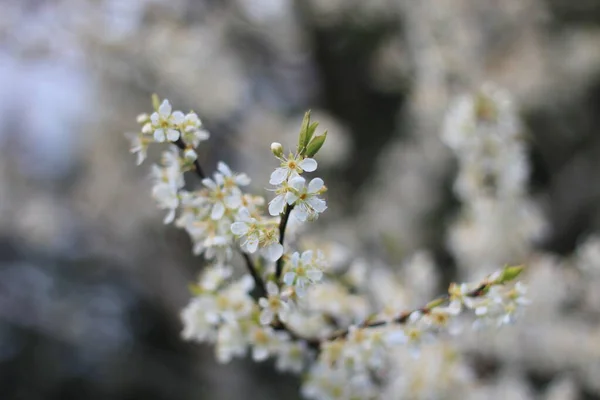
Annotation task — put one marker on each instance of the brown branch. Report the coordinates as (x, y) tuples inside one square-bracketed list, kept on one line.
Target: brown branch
[(282, 226), (403, 317)]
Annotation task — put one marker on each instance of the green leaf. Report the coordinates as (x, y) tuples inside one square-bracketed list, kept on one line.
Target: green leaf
[(510, 273), (302, 139), (315, 145)]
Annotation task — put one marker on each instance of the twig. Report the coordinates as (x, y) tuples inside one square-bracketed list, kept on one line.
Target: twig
[(282, 226), (182, 146)]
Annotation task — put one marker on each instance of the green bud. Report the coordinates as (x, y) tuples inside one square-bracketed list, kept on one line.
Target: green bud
[(155, 101), (315, 145), (510, 273)]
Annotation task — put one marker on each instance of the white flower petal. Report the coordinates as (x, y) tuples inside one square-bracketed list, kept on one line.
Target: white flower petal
[(172, 135), (251, 244), (295, 258), (289, 277), (224, 169), (209, 183), (290, 198), (239, 228), (297, 183), (218, 211), (308, 164), (314, 275), (242, 180), (244, 215), (272, 288), (159, 135), (306, 257), (177, 117), (278, 176), (319, 205), (154, 118), (276, 206), (165, 109), (273, 252), (266, 316), (315, 185)]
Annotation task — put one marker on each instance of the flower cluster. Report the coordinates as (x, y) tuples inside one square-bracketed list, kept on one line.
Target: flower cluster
[(498, 221), (293, 306)]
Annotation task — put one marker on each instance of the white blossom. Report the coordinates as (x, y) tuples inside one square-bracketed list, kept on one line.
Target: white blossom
[(301, 272), (273, 305), (291, 167), (305, 198), (165, 123)]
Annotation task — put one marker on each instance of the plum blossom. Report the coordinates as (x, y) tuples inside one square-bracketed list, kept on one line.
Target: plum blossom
[(305, 198), (291, 167), (165, 123), (302, 272)]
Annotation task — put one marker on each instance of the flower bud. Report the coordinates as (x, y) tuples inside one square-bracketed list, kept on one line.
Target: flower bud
[(277, 149), (143, 118), (190, 155)]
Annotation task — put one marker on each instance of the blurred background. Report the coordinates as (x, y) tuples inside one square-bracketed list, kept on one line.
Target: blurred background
[(91, 282)]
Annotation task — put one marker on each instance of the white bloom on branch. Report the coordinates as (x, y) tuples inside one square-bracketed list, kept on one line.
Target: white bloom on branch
[(273, 305), (305, 198), (165, 123), (302, 272), (291, 167), (248, 229)]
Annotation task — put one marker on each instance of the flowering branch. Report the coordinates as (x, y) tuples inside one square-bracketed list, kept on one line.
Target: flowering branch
[(275, 310)]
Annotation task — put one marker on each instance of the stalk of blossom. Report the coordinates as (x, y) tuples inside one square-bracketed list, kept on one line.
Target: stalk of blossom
[(302, 272), (166, 124), (291, 167)]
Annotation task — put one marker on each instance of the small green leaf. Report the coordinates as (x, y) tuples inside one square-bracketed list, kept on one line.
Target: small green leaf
[(302, 139), (310, 132), (510, 273), (315, 145), (155, 101)]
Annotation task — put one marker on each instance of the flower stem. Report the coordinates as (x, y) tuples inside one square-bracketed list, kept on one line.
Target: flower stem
[(260, 289)]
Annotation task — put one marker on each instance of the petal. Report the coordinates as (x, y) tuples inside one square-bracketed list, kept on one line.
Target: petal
[(289, 277), (233, 201), (218, 211), (307, 257), (301, 213), (278, 176), (317, 204), (308, 164), (314, 274), (297, 182), (251, 244), (290, 198), (244, 215), (272, 288), (273, 252), (169, 217), (315, 185), (154, 118), (239, 228), (260, 353), (301, 290), (159, 135), (242, 180), (209, 183), (165, 109), (224, 169), (295, 258), (276, 206), (177, 117), (266, 316), (172, 135)]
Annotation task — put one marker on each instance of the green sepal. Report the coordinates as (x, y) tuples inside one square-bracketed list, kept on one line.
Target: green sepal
[(315, 145)]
